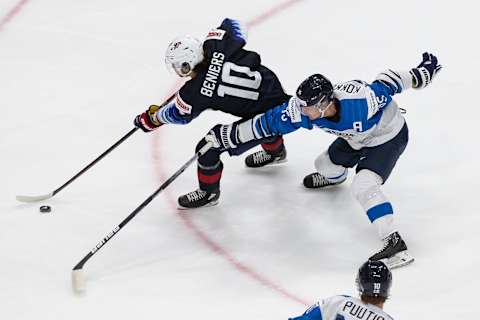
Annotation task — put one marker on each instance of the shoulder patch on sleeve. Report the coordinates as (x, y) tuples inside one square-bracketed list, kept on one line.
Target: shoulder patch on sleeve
[(293, 110), (373, 102), (215, 34), (182, 106)]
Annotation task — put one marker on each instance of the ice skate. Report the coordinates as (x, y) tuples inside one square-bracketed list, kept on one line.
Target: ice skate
[(316, 180), (394, 252), (198, 199), (263, 158)]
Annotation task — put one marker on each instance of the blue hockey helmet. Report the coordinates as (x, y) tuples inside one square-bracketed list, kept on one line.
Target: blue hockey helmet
[(374, 279)]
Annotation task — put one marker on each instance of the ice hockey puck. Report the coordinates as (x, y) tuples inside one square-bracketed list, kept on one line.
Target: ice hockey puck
[(45, 209)]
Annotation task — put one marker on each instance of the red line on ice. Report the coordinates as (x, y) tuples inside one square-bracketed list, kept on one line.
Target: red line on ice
[(270, 13), (215, 247), (211, 244), (12, 13)]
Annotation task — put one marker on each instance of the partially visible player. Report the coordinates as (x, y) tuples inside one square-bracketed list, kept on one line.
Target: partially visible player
[(373, 283), (225, 77), (372, 134)]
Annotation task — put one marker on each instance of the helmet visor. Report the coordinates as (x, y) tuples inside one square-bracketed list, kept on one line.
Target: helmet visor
[(182, 69), (324, 102)]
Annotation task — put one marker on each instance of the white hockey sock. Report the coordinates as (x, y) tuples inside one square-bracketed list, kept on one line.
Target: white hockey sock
[(385, 226), (332, 172), (366, 189)]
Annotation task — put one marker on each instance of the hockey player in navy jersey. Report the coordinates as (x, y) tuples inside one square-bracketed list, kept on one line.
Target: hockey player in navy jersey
[(224, 77), (373, 283), (372, 134)]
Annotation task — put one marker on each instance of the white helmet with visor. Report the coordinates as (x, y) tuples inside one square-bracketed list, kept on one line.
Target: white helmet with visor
[(183, 54)]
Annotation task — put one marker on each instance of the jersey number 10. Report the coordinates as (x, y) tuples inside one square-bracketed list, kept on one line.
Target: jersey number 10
[(253, 81)]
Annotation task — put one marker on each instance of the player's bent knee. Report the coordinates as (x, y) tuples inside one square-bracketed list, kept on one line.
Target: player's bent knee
[(328, 169), (366, 188), (210, 158), (200, 144)]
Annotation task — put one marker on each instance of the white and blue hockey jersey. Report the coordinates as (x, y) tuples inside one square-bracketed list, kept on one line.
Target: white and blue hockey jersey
[(367, 116), (343, 308)]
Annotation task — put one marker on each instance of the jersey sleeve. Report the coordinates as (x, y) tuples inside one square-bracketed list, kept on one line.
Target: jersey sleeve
[(229, 37), (280, 120), (170, 114), (176, 111), (329, 306), (393, 82), (387, 84), (312, 313)]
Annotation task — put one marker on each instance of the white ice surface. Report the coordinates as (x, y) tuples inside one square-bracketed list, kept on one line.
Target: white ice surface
[(73, 74)]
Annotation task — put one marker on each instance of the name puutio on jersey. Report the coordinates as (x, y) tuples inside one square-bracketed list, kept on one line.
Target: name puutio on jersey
[(343, 308)]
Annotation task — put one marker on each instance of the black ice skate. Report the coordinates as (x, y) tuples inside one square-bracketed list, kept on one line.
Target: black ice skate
[(198, 199), (394, 252), (316, 180), (263, 158)]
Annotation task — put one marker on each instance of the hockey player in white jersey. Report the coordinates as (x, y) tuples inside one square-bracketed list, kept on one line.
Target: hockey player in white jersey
[(373, 283), (372, 134)]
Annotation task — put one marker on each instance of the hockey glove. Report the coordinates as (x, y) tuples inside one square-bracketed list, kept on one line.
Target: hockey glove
[(147, 121), (223, 137), (426, 70)]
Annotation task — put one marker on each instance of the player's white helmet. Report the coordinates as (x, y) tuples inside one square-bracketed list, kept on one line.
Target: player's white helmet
[(183, 54)]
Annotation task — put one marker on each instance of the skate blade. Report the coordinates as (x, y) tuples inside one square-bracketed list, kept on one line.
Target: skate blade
[(333, 185), (210, 204), (401, 259), (278, 162), (273, 164)]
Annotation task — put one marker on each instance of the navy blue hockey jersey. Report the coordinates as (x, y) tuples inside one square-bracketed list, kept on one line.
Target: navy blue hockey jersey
[(231, 79)]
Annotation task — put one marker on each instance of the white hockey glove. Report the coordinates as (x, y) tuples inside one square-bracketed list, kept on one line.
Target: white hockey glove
[(223, 137), (426, 70)]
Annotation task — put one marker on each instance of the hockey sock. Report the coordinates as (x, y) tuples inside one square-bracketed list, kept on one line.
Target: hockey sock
[(385, 226), (332, 172), (366, 189), (274, 147), (209, 177)]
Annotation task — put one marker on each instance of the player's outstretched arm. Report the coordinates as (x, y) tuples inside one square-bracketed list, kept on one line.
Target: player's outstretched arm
[(156, 116), (147, 120), (392, 82), (280, 120)]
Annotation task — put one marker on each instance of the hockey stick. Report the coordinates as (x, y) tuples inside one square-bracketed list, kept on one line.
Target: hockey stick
[(78, 279), (22, 198), (54, 192)]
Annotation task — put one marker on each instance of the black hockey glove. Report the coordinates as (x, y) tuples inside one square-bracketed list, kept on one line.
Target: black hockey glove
[(147, 121), (426, 70), (223, 137)]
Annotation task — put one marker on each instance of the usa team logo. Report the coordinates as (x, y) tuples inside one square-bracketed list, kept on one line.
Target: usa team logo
[(216, 34), (182, 106)]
